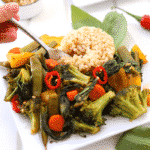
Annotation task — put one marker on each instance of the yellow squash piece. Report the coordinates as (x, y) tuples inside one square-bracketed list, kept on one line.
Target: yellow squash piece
[(17, 60), (122, 80), (47, 39), (119, 80), (141, 55), (134, 80), (137, 80)]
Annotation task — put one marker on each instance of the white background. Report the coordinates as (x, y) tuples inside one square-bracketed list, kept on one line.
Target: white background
[(55, 20)]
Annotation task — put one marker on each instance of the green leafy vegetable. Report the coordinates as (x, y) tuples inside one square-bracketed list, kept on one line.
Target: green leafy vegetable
[(114, 23), (137, 138), (81, 18)]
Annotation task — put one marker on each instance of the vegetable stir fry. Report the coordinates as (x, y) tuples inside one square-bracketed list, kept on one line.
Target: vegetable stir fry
[(60, 100), (66, 100)]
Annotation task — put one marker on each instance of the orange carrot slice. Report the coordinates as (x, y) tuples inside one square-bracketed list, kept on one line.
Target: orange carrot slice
[(97, 92)]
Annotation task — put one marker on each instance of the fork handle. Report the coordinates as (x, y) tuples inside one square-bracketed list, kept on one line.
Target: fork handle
[(31, 34)]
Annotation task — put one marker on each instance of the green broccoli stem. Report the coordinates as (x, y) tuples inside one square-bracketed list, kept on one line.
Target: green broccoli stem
[(137, 101), (9, 95), (32, 108), (85, 92), (16, 78), (83, 127), (115, 111), (75, 80), (143, 98), (73, 70), (127, 107), (102, 102), (94, 109)]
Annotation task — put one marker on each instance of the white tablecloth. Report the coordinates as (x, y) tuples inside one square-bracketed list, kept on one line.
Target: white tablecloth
[(55, 20)]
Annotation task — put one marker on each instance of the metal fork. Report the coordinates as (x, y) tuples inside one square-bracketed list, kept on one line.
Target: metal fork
[(55, 54)]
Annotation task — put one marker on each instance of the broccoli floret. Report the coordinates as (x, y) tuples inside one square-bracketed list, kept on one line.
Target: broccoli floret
[(92, 112), (23, 81), (32, 108), (69, 74), (83, 127), (130, 103), (19, 82)]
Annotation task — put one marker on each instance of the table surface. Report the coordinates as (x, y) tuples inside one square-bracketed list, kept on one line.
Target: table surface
[(55, 20)]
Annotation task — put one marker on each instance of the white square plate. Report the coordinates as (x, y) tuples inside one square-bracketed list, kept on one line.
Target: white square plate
[(113, 125)]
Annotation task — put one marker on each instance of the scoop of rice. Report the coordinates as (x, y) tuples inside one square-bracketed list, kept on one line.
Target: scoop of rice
[(89, 48)]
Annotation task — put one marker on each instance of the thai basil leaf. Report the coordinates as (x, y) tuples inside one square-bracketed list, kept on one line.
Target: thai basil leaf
[(115, 25), (81, 18)]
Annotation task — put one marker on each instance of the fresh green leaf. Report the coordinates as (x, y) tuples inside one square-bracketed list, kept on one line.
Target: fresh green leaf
[(115, 25), (81, 18)]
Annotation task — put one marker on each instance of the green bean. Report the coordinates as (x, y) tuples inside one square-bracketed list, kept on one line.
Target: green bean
[(35, 122), (125, 54), (37, 76), (52, 44), (42, 60), (43, 133), (31, 46), (137, 58), (43, 51)]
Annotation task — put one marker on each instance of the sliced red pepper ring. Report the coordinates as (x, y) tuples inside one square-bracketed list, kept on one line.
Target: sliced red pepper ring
[(100, 69), (48, 80), (15, 104)]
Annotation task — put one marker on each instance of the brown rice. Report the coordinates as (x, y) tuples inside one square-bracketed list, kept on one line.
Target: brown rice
[(89, 46)]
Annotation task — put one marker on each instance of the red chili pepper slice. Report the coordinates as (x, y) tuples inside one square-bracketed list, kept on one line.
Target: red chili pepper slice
[(100, 69), (15, 104), (48, 78)]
